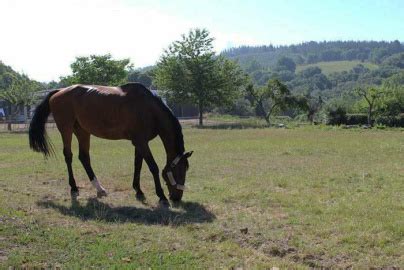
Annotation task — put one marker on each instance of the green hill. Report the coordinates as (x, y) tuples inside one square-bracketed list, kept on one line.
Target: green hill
[(314, 52), (337, 66), (326, 68)]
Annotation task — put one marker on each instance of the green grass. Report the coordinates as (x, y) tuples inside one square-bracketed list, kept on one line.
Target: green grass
[(307, 197), (336, 66)]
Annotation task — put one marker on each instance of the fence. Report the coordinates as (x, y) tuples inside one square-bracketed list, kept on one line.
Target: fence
[(20, 127)]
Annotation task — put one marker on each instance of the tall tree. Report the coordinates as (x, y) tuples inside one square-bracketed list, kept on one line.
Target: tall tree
[(98, 69), (371, 95), (189, 71)]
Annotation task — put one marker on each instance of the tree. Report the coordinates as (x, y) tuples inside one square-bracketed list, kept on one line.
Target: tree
[(392, 103), (270, 99), (99, 70), (142, 77), (189, 71), (285, 63), (313, 106), (20, 93), (371, 95), (396, 60)]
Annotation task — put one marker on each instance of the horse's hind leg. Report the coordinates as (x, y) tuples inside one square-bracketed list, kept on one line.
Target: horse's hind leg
[(83, 138), (67, 152)]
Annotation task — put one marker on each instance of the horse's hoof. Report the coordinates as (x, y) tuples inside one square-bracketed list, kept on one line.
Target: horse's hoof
[(101, 193), (140, 197), (164, 203), (74, 194)]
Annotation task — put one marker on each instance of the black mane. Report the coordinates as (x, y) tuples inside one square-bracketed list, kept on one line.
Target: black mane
[(179, 138)]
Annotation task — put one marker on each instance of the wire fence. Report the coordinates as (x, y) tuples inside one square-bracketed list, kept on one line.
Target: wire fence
[(20, 127)]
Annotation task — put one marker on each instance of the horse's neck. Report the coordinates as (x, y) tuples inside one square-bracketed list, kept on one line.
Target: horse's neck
[(168, 137)]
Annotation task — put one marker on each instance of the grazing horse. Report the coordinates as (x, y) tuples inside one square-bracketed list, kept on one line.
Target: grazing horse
[(129, 112)]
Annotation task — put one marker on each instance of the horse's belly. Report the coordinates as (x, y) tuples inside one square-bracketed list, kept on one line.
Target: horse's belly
[(105, 127)]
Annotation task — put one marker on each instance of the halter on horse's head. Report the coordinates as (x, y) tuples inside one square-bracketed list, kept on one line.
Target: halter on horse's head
[(174, 174)]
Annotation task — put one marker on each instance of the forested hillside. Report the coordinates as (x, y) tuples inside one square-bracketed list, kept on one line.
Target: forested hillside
[(322, 68), (314, 52)]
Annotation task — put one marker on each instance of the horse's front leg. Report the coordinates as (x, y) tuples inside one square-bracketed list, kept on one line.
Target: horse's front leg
[(136, 176), (154, 169)]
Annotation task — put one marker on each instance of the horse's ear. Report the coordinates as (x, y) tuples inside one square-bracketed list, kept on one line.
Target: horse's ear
[(188, 154)]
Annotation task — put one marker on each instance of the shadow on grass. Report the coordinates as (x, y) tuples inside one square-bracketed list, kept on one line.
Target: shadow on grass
[(180, 214)]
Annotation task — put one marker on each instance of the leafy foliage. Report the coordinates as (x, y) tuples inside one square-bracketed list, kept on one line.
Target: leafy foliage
[(371, 96), (189, 71), (16, 89), (273, 98), (98, 70), (376, 62), (20, 92), (286, 63), (313, 52), (144, 78)]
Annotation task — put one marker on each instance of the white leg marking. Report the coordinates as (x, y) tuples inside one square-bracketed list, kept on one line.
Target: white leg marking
[(100, 189)]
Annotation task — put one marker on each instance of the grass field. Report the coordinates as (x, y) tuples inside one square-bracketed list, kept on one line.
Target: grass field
[(336, 66), (256, 198)]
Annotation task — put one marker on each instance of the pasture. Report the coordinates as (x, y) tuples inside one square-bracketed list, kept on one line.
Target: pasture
[(337, 66), (256, 198)]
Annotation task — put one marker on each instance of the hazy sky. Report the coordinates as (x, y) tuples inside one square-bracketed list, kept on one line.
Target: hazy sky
[(42, 37)]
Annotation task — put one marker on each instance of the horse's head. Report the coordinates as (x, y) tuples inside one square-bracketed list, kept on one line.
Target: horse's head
[(174, 174)]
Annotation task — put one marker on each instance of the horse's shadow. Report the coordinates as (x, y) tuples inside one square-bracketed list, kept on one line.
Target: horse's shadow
[(182, 213)]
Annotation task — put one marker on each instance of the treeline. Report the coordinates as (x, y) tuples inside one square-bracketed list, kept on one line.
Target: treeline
[(16, 92), (314, 52), (265, 63), (190, 72), (334, 98)]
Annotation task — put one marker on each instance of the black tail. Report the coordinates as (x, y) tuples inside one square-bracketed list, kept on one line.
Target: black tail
[(38, 140)]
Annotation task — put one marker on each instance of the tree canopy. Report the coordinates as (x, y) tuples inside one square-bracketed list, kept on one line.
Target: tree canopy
[(189, 71), (98, 70), (273, 98)]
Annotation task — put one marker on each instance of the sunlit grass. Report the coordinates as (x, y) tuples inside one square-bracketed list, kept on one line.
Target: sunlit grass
[(262, 197)]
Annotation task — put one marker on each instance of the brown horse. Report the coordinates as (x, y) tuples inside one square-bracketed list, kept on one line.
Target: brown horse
[(129, 112)]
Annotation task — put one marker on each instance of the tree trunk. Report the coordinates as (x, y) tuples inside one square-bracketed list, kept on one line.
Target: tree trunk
[(370, 115), (266, 117), (200, 115)]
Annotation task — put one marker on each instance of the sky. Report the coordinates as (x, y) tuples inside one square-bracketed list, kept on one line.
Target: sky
[(41, 38)]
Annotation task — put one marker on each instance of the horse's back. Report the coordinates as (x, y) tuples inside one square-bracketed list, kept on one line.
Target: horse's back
[(107, 112), (129, 90)]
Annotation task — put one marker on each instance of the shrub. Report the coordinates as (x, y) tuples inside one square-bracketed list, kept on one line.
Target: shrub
[(391, 121), (356, 119), (336, 116)]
